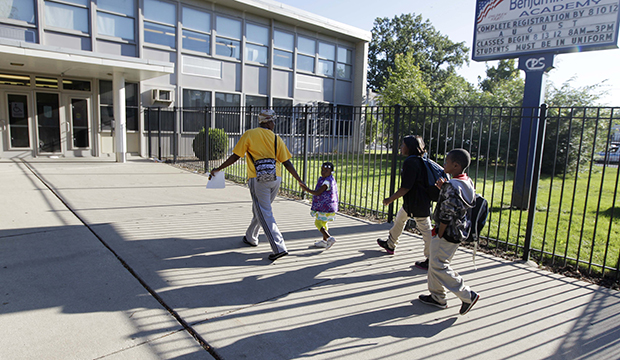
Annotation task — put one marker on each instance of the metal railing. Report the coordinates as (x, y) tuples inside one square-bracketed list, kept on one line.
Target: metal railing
[(573, 214)]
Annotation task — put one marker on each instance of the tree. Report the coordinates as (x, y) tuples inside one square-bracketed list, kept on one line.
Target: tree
[(506, 71), (434, 54), (406, 85)]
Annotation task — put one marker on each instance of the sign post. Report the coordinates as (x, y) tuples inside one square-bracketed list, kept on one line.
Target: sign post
[(536, 68)]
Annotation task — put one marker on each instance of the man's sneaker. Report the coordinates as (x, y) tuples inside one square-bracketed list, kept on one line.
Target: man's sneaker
[(321, 244), (384, 244), (422, 264), (330, 242), (428, 299), (465, 307), (273, 257), (247, 242)]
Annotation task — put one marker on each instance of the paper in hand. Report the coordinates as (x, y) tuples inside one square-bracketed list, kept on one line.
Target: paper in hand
[(217, 181)]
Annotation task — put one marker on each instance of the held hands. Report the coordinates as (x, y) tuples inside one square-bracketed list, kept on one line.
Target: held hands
[(387, 201)]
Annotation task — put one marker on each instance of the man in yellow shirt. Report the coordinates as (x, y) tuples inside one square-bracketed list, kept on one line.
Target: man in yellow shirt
[(265, 150)]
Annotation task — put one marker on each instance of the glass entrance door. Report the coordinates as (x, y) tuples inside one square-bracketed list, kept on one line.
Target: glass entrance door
[(48, 123), (80, 135), (19, 134)]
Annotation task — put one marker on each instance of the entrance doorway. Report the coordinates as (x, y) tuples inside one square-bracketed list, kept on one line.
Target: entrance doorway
[(48, 124)]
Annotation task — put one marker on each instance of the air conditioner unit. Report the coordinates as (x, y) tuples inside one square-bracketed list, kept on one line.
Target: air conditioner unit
[(161, 95)]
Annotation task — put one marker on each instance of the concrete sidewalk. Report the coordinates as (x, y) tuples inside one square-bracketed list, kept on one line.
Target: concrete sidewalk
[(75, 270)]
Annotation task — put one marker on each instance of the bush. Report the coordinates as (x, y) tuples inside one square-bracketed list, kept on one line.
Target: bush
[(218, 144)]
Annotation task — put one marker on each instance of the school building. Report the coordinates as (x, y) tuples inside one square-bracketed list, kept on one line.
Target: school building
[(76, 75)]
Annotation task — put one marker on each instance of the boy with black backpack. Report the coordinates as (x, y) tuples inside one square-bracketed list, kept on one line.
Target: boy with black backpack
[(417, 203), (452, 216)]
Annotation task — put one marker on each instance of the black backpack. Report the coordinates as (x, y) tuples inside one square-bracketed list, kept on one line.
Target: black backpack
[(434, 171), (478, 216)]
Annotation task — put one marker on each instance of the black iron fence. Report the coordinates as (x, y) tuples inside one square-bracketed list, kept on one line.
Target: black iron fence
[(569, 218)]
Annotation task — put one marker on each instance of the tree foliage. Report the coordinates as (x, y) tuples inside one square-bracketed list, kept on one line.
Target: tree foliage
[(435, 55)]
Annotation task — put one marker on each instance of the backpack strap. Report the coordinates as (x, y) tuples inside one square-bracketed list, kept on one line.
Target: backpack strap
[(275, 146)]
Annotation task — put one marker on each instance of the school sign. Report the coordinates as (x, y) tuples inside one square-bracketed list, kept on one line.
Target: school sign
[(515, 28)]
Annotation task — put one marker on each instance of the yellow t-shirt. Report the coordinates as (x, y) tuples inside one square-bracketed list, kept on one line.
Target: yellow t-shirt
[(259, 142)]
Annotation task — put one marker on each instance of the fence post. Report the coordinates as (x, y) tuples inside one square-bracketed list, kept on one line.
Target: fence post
[(148, 129), (159, 133), (206, 142), (535, 180), (395, 147), (304, 175), (175, 142)]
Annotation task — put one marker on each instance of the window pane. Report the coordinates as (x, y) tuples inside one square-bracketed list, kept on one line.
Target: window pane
[(306, 46), (112, 25), (195, 19), (326, 67), (66, 16), (131, 94), (223, 99), (284, 40), (196, 98), (105, 92), (327, 51), (159, 34), (228, 27), (196, 41), (257, 34), (345, 55), (127, 7), (19, 80), (48, 83), (256, 101), (160, 11), (283, 58), (79, 85), (131, 118), (305, 63), (18, 10), (256, 53), (227, 47), (344, 71), (281, 103), (106, 116)]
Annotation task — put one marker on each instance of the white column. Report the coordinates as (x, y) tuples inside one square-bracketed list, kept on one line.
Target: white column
[(120, 117)]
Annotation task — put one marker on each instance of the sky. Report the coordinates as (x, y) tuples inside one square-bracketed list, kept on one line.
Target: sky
[(455, 19)]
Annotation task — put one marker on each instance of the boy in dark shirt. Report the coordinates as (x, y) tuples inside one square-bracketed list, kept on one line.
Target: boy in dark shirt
[(416, 202), (456, 197)]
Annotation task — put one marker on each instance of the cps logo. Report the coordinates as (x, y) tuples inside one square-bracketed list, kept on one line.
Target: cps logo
[(535, 63)]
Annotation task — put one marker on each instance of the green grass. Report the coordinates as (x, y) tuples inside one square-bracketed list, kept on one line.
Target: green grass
[(569, 221)]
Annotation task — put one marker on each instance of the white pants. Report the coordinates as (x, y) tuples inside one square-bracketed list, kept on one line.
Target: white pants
[(441, 276), (423, 224), (263, 194)]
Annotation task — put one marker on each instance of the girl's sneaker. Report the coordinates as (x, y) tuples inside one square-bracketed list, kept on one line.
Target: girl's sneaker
[(330, 242), (321, 244)]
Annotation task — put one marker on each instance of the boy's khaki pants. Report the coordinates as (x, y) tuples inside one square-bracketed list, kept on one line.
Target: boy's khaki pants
[(441, 276), (423, 224)]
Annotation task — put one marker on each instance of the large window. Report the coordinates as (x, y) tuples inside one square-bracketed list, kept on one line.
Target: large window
[(327, 56), (106, 105), (196, 110), (196, 30), (256, 45), (116, 18), (284, 45), (22, 10), (306, 50), (228, 112), (284, 118), (344, 65), (160, 23), (67, 14), (228, 38)]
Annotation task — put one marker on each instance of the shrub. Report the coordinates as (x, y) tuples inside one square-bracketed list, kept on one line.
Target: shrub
[(218, 144)]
